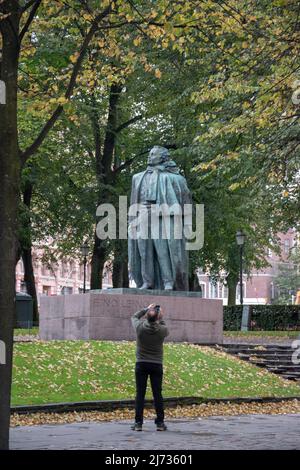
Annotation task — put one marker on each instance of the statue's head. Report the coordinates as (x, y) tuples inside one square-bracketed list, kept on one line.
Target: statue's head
[(158, 155)]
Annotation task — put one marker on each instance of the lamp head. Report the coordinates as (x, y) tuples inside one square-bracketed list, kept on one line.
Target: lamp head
[(240, 237)]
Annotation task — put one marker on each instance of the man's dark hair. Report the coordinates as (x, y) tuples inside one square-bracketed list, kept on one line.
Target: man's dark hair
[(152, 317)]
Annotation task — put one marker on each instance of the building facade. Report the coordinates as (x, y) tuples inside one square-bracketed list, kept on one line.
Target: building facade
[(259, 288)]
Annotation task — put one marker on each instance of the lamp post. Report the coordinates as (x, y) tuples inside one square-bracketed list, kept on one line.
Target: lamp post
[(240, 239), (84, 251)]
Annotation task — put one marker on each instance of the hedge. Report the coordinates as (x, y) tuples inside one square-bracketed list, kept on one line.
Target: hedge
[(264, 317)]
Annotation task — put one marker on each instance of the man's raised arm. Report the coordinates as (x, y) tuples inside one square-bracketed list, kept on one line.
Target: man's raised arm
[(136, 317)]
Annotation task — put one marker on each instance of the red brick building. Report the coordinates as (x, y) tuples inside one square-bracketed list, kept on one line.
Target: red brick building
[(259, 288)]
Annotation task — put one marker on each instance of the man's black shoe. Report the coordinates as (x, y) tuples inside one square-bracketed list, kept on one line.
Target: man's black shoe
[(161, 427), (137, 427)]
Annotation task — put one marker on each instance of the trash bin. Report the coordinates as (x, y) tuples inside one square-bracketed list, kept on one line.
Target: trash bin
[(24, 310)]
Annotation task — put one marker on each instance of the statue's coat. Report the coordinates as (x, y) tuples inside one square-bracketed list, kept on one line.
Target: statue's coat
[(171, 188)]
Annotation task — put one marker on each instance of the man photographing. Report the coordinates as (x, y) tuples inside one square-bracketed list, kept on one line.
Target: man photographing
[(151, 332)]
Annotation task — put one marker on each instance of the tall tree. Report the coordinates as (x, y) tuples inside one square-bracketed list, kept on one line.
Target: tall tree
[(11, 161)]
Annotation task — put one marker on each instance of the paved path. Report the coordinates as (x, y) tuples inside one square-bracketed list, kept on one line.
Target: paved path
[(218, 432)]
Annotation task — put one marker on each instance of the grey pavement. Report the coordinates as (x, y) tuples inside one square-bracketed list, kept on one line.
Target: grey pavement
[(217, 432)]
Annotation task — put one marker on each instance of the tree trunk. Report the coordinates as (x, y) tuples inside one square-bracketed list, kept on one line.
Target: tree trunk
[(9, 196), (232, 280), (26, 246), (97, 263), (117, 274), (125, 280), (104, 173), (30, 280), (120, 265), (194, 285)]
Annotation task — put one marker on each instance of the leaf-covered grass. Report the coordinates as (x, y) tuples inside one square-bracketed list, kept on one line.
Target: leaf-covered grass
[(265, 334), (273, 334), (34, 331), (47, 372)]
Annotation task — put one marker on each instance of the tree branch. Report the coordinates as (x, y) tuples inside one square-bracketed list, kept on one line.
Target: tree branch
[(29, 20), (28, 5), (129, 162), (128, 123), (50, 123)]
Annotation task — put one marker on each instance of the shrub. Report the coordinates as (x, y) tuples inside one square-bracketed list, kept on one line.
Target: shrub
[(264, 317)]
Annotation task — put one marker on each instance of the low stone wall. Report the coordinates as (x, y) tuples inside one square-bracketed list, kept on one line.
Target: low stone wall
[(106, 315)]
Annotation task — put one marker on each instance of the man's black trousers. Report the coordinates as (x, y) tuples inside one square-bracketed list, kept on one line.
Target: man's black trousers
[(155, 371)]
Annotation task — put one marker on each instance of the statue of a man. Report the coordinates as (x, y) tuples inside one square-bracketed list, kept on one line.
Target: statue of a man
[(159, 262)]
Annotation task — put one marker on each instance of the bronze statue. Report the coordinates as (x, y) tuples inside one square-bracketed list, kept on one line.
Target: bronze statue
[(159, 262)]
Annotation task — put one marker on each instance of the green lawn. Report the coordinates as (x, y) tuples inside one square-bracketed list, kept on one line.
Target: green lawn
[(46, 372), (273, 334), (34, 331)]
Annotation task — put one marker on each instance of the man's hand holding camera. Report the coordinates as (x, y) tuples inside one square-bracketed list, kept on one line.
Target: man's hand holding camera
[(153, 309)]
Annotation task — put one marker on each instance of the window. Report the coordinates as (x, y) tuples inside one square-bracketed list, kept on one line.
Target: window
[(64, 271), (287, 246), (21, 266), (213, 290), (203, 288), (46, 290), (81, 271), (223, 291), (72, 270), (45, 270), (66, 290)]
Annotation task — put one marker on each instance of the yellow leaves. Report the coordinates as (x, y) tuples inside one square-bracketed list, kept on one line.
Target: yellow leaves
[(74, 118), (157, 73), (147, 67), (3, 16), (28, 51), (234, 186), (61, 100), (245, 45), (73, 58), (242, 184), (101, 43), (137, 41), (153, 14), (87, 17), (285, 193), (193, 411), (206, 166), (155, 32)]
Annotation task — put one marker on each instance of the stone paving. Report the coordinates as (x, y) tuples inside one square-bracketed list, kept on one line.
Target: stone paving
[(217, 432)]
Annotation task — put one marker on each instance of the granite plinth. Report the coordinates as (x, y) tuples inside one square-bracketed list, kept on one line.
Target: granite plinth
[(105, 315)]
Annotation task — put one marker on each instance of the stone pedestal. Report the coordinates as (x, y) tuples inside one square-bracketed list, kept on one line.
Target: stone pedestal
[(105, 314)]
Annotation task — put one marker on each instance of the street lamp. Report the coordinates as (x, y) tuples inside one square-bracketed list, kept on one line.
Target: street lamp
[(240, 239), (84, 251)]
